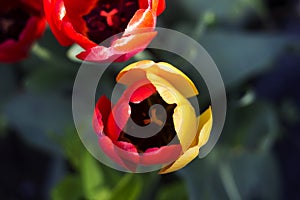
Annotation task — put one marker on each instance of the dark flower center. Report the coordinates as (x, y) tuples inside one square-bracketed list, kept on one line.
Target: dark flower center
[(108, 18), (12, 23), (140, 116)]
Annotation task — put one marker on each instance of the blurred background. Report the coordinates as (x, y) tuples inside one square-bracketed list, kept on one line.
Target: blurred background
[(256, 46)]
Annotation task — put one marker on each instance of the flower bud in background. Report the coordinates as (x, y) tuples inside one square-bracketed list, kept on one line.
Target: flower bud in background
[(136, 131), (21, 23), (90, 22)]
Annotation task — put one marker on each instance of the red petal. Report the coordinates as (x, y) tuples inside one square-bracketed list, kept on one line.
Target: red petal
[(102, 111), (129, 154), (109, 149), (77, 37), (126, 148), (122, 49), (142, 21), (118, 119), (12, 51), (54, 10), (98, 54), (134, 42), (137, 36), (37, 4), (142, 93), (162, 155), (158, 6), (76, 9)]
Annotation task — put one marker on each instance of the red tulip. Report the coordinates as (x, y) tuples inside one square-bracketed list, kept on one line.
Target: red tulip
[(21, 23), (177, 138), (90, 22)]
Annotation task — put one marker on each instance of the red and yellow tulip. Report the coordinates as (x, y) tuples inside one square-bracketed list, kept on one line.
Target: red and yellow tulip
[(180, 134)]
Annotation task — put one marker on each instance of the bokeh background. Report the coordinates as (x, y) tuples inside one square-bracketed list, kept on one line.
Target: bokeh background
[(256, 46)]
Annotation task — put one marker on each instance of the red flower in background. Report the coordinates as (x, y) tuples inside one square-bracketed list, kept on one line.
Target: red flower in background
[(21, 23), (90, 22)]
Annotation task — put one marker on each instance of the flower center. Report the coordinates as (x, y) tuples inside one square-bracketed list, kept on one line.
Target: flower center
[(140, 116), (12, 23), (108, 18)]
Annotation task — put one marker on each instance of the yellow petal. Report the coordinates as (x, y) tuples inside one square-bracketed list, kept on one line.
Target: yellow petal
[(184, 117), (204, 130), (206, 121), (182, 161), (178, 79), (133, 72), (166, 71)]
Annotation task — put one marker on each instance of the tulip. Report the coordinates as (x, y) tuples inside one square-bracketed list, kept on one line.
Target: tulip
[(177, 137), (90, 22), (21, 23)]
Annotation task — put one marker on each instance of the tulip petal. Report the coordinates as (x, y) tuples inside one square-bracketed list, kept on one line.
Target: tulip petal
[(158, 6), (184, 117), (141, 22), (203, 134), (128, 154), (118, 119), (133, 72), (75, 9), (142, 93), (97, 54), (205, 126), (182, 161), (162, 155), (133, 42), (77, 37), (55, 12), (109, 149), (179, 80), (121, 49), (102, 111), (166, 71), (15, 50)]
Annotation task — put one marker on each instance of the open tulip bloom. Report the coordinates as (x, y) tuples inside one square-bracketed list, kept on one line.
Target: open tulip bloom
[(125, 130), (21, 23), (90, 22)]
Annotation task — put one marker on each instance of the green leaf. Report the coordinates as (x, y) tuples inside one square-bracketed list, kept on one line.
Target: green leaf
[(176, 190), (129, 187), (92, 176), (69, 188), (151, 182), (73, 147), (50, 79)]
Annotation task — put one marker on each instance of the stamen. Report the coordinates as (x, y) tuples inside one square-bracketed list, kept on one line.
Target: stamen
[(155, 119), (109, 16)]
